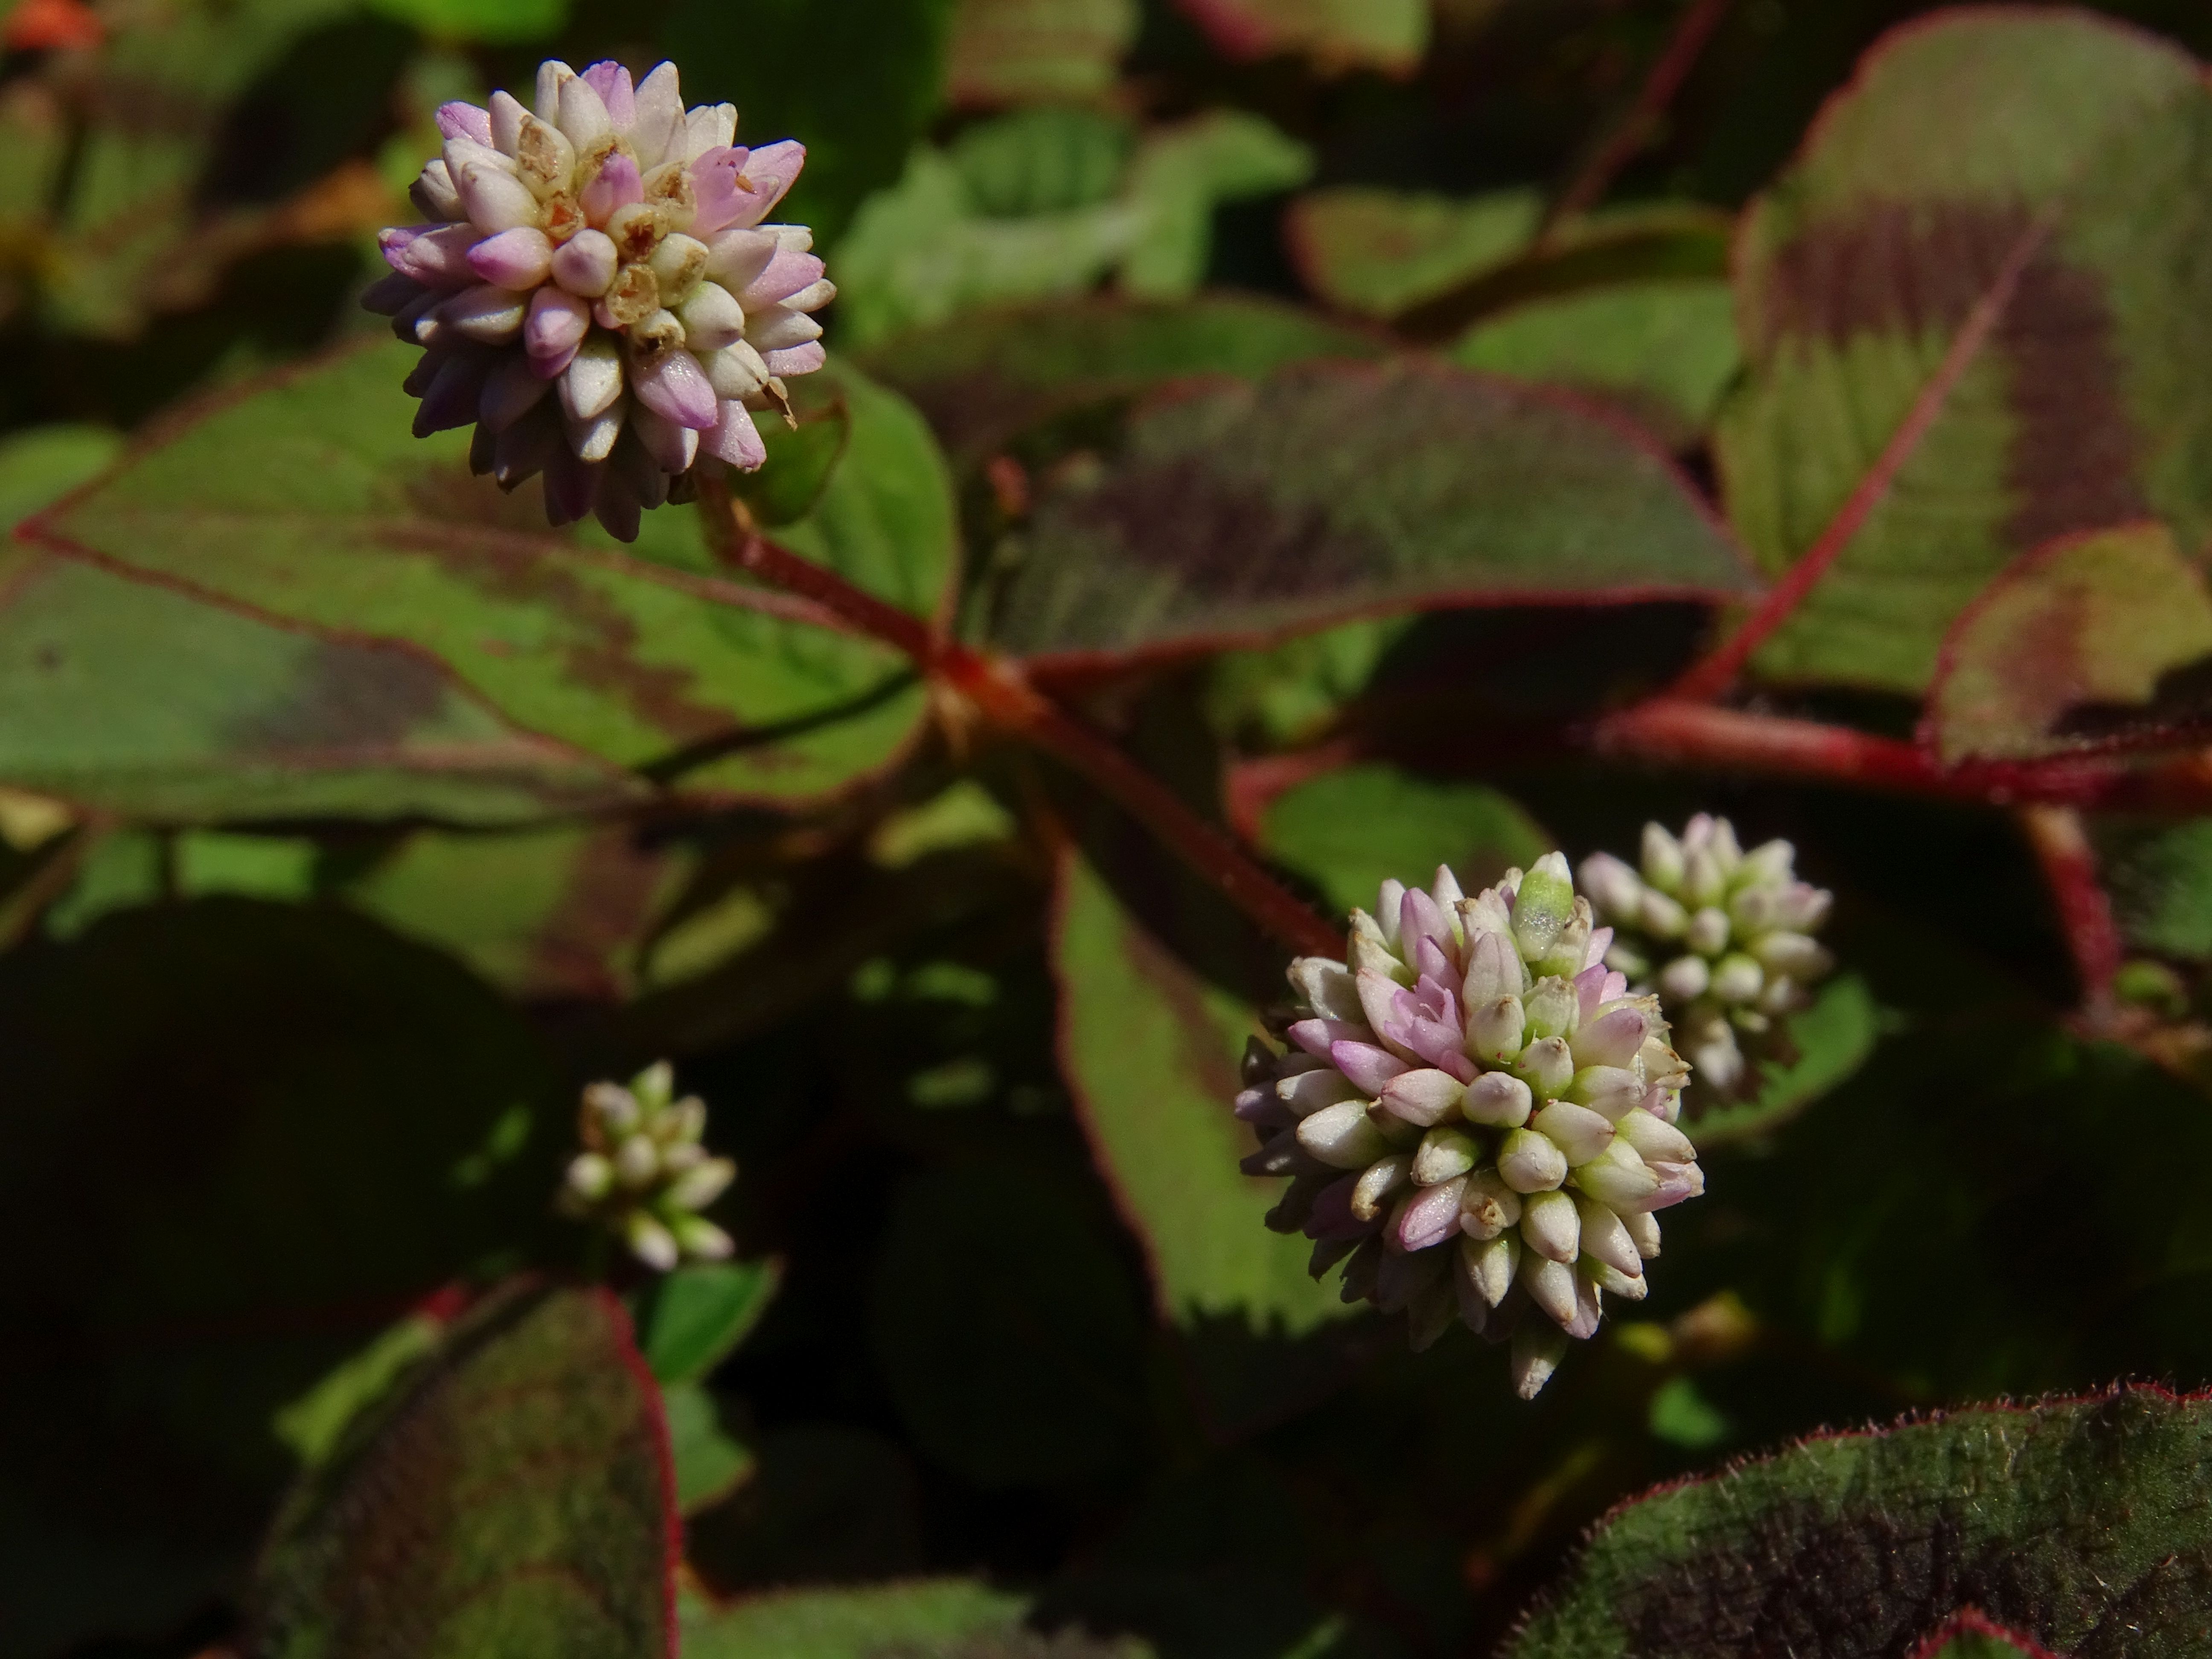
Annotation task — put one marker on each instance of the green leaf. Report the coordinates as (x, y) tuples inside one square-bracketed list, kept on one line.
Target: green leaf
[(1150, 1052), (923, 1618), (1023, 52), (1180, 175), (1236, 513), (2061, 1520), (493, 21), (1834, 1038), (2161, 879), (44, 463), (306, 501), (1390, 35), (1006, 1329), (696, 1314), (2079, 645), (512, 1501), (986, 378), (1665, 351), (710, 1462), (1352, 828), (855, 81), (1042, 160), (314, 1424), (559, 912), (135, 699), (1280, 696), (1377, 252), (2071, 147)]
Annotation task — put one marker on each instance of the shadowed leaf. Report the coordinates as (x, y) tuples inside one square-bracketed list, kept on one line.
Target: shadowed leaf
[(1833, 1037), (696, 1314), (1151, 1051), (1236, 512), (923, 1618), (512, 1504), (2069, 156), (1022, 52), (1377, 252), (2084, 643), (307, 500), (1337, 34), (2078, 1523)]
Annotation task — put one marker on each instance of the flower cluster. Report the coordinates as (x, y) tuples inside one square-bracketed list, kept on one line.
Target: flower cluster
[(1725, 937), (1474, 1115), (642, 1173), (596, 290)]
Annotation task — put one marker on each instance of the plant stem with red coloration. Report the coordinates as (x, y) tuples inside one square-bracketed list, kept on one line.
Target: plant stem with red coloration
[(1713, 675), (1692, 32), (2085, 911), (1004, 695)]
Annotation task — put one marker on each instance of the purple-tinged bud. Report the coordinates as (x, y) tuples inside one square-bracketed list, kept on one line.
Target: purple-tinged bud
[(1617, 1177), (1425, 1096), (1371, 1069), (1537, 1350), (1379, 999), (1428, 1216), (1677, 1182), (1318, 1036), (1342, 1136), (1496, 1030), (1615, 1038), (1576, 1130), (1551, 1227), (586, 263), (1294, 1211), (1530, 1162), (1487, 1206), (518, 259), (556, 329), (1491, 1264), (1281, 1156), (1548, 1067), (1494, 969), (1498, 1100), (1445, 1154), (675, 388), (510, 391), (1614, 1282), (1656, 1142), (1378, 1183)]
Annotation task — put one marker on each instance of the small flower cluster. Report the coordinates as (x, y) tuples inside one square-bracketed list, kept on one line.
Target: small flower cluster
[(1725, 937), (643, 1174), (596, 290), (1474, 1115)]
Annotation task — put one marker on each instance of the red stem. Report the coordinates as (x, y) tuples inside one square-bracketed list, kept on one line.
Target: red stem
[(1713, 675), (1671, 731), (2085, 912), (1692, 31), (1003, 695)]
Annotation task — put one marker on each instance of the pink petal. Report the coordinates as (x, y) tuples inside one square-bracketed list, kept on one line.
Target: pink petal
[(459, 120), (772, 171), (797, 360), (434, 255), (721, 200), (1370, 1068), (733, 439), (617, 186), (518, 259), (787, 273), (1315, 1036), (676, 389), (612, 83)]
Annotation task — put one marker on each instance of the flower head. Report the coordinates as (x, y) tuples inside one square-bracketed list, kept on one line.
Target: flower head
[(643, 1174), (1722, 936), (596, 292), (1475, 1115)]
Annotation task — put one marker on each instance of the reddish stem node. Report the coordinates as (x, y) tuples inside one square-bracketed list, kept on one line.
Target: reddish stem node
[(2061, 847), (1635, 130)]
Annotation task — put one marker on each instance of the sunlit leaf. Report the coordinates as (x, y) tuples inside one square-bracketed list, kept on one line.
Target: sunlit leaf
[(1377, 252), (2081, 644), (2055, 145), (1352, 828), (307, 501)]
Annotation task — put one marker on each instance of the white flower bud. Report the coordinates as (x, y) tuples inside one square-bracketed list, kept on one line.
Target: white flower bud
[(1487, 1206), (1494, 1031), (1685, 979), (1550, 1226), (1538, 1348), (1379, 1182), (1443, 1154), (1497, 1099), (1532, 1162), (1341, 1137), (1490, 1264), (1579, 1133)]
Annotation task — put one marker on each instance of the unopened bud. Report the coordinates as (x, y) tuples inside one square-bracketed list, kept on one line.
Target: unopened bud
[(1550, 1285), (1609, 1091), (1326, 986), (1799, 956), (1579, 1133), (1445, 1152), (703, 1183), (1610, 1280), (1685, 979), (1307, 1092), (1494, 969), (1487, 1206), (1549, 1065), (1498, 1099), (1543, 905), (1656, 1142), (1552, 1009), (1662, 857), (1613, 888), (1737, 978), (1616, 1176), (650, 1242), (590, 1175), (1643, 1229), (1495, 1029), (637, 1160), (1550, 1226), (700, 1239), (1661, 916), (1423, 1096), (1378, 1184), (1538, 1348), (1532, 1162), (1606, 1237), (1707, 933), (1490, 1264)]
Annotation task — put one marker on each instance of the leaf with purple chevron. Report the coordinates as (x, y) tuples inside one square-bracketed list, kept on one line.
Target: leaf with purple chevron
[(1994, 238)]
